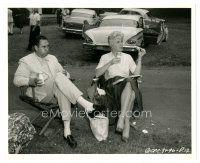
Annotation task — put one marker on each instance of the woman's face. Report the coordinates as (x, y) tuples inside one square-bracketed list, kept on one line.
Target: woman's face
[(117, 44)]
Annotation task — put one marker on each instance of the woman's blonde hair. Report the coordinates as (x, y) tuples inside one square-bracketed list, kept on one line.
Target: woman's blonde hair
[(115, 34)]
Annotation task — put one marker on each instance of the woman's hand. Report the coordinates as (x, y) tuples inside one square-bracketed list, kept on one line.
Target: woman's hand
[(141, 52)]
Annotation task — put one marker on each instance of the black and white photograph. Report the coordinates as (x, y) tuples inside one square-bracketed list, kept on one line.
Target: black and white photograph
[(100, 80)]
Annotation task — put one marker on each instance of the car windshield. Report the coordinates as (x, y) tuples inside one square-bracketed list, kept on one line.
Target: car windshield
[(119, 22), (79, 14), (127, 12)]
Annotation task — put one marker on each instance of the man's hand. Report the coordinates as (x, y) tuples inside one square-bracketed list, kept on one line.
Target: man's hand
[(33, 82), (115, 60), (33, 29)]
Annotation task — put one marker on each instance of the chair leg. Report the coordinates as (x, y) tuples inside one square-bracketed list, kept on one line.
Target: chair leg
[(36, 117), (46, 125)]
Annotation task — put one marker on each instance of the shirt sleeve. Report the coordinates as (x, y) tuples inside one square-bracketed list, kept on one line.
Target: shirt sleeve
[(102, 62), (38, 17), (132, 65), (21, 77), (58, 65)]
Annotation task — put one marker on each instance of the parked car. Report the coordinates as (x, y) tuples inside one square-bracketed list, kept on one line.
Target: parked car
[(74, 23), (130, 25), (155, 29)]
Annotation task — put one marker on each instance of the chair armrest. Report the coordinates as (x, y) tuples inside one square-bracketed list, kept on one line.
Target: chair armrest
[(23, 91)]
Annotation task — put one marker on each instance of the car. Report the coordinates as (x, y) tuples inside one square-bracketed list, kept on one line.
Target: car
[(74, 23), (155, 29), (130, 25), (107, 14)]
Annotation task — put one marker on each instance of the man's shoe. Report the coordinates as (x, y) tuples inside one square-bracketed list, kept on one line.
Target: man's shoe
[(71, 142), (119, 132)]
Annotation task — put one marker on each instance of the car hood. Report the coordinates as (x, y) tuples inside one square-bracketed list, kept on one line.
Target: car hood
[(78, 20), (100, 35)]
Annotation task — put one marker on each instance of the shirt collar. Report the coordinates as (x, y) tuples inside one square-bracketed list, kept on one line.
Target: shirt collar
[(119, 54), (43, 59)]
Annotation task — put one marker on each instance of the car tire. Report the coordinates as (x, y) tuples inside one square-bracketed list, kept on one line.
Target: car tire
[(88, 53)]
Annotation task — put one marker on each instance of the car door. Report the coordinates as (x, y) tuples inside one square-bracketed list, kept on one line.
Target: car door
[(153, 31)]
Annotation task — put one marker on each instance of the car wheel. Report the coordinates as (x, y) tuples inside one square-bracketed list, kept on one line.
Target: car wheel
[(166, 34), (88, 53)]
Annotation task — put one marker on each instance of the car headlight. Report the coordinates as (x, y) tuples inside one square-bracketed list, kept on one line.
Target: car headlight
[(87, 39), (132, 41)]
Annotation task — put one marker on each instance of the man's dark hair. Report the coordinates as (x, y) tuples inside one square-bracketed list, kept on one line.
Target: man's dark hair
[(38, 38)]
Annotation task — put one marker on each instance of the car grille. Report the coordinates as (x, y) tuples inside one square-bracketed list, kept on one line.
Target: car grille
[(74, 26)]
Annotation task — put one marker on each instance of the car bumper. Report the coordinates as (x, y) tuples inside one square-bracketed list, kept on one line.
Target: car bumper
[(74, 31), (107, 48)]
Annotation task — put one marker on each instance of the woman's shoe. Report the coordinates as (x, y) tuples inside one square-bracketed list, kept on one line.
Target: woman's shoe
[(126, 130), (120, 124), (70, 141)]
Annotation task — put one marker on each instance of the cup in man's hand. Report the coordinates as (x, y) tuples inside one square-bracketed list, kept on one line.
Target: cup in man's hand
[(40, 79)]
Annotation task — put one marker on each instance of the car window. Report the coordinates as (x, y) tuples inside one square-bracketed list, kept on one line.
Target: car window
[(124, 12), (134, 13), (119, 22), (78, 14)]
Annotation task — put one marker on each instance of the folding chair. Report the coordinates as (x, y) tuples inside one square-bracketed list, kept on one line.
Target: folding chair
[(47, 107)]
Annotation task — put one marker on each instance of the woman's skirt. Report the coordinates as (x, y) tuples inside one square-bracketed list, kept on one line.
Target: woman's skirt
[(112, 99)]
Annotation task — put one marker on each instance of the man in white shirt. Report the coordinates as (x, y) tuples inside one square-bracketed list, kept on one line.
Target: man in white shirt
[(34, 28), (54, 86)]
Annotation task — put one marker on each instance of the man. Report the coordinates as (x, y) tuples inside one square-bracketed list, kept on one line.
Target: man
[(52, 85), (59, 17), (34, 28)]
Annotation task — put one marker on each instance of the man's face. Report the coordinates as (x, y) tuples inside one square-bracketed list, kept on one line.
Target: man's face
[(117, 44), (42, 49)]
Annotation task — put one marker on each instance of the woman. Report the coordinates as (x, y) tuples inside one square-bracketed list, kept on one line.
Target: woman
[(117, 65), (19, 19)]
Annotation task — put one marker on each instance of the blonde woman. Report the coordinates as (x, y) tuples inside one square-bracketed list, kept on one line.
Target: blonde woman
[(118, 65)]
